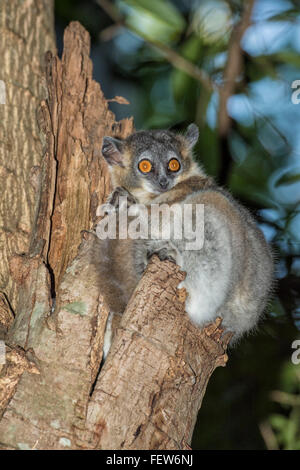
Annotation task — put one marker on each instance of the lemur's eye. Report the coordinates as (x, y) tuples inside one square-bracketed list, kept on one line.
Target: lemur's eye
[(174, 165), (145, 166)]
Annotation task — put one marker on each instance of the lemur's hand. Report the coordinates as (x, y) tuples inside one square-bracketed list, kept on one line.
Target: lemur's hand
[(120, 198)]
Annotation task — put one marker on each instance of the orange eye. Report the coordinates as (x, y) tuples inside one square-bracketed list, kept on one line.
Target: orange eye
[(145, 166), (174, 165)]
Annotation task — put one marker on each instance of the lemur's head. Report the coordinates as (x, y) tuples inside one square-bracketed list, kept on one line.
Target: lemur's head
[(148, 163)]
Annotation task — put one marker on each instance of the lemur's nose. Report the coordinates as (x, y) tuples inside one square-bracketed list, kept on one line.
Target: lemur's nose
[(163, 182)]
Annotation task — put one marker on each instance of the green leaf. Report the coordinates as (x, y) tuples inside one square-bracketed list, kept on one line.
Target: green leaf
[(261, 67), (190, 50), (288, 15), (156, 20), (278, 422), (287, 57), (288, 378), (288, 178), (277, 309), (291, 432)]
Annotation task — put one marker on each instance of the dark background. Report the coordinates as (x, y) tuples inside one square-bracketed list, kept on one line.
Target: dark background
[(253, 403)]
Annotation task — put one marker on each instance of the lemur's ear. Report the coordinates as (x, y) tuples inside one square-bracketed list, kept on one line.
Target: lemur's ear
[(191, 135), (112, 151)]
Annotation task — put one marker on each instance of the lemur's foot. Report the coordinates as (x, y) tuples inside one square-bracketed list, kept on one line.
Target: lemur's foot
[(167, 254)]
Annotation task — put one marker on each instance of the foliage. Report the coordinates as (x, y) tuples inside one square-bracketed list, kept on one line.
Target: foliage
[(146, 45)]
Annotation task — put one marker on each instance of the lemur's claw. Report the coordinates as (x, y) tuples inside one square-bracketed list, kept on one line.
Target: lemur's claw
[(114, 198)]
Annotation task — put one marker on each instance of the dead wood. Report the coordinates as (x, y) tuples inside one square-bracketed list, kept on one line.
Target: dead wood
[(52, 395)]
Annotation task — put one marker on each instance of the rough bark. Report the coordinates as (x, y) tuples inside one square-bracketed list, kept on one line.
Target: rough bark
[(64, 344), (151, 386), (52, 396), (26, 32)]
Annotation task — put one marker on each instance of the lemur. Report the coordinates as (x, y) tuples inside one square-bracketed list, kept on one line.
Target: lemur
[(229, 276)]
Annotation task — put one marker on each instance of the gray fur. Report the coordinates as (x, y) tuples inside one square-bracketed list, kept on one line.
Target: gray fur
[(232, 274)]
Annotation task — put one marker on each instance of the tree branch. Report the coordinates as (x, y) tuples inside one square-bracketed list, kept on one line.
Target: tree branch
[(233, 69), (152, 384), (170, 54), (150, 389), (42, 409)]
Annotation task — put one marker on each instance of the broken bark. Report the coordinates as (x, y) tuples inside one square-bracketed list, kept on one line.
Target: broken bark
[(65, 344), (150, 389), (155, 376), (26, 32)]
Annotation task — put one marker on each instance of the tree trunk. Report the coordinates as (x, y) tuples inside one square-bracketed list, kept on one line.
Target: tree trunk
[(53, 394), (26, 32), (152, 384)]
